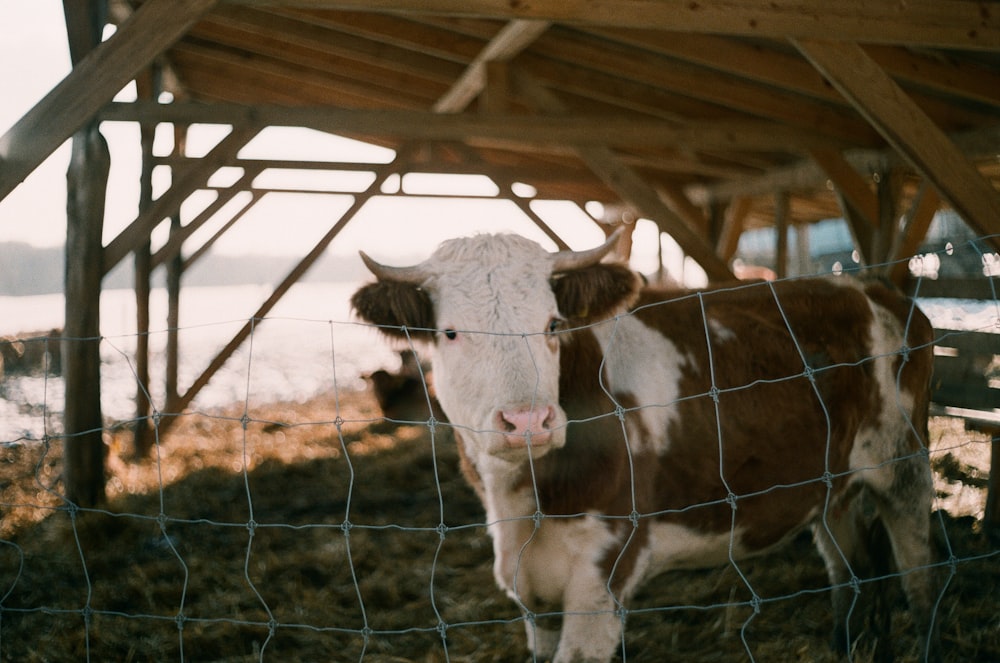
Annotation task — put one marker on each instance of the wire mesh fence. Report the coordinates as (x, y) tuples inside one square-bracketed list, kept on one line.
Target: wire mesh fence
[(318, 528)]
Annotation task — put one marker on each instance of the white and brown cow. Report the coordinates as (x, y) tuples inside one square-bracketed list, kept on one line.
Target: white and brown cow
[(613, 433)]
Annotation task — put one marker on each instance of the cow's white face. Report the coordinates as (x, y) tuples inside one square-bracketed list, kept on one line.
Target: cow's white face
[(496, 360), (493, 306)]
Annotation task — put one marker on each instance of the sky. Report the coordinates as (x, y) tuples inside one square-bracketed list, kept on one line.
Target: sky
[(34, 57)]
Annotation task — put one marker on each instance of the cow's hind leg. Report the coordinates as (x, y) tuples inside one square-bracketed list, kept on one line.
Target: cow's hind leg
[(905, 510), (839, 539)]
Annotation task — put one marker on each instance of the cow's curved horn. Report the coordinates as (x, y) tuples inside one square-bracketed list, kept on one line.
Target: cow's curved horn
[(564, 261), (415, 274)]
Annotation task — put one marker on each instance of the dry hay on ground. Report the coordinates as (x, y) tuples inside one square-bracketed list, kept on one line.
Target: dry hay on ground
[(347, 560)]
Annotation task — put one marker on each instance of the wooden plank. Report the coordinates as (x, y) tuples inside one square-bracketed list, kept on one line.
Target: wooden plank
[(953, 24), (965, 79), (749, 135), (907, 129), (92, 83), (722, 90), (511, 40)]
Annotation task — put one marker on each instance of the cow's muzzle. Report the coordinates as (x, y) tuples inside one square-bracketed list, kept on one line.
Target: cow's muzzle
[(526, 427)]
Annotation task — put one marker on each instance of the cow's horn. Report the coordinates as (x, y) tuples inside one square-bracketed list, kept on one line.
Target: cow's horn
[(415, 274), (564, 261)]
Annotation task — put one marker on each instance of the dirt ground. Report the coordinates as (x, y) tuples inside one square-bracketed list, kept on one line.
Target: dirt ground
[(291, 535)]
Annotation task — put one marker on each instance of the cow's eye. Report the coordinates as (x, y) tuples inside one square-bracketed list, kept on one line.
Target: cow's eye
[(555, 324), (450, 334)]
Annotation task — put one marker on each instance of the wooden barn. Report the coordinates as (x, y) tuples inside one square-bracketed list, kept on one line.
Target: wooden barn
[(708, 118)]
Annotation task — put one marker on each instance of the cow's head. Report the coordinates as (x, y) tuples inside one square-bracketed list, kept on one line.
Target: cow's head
[(494, 307)]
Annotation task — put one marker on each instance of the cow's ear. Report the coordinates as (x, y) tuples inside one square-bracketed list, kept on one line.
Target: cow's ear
[(393, 305), (595, 293)]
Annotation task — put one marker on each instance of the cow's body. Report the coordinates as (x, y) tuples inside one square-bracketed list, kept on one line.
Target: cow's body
[(596, 452)]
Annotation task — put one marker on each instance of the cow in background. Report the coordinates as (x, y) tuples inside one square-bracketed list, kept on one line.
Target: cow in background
[(614, 432), (406, 396)]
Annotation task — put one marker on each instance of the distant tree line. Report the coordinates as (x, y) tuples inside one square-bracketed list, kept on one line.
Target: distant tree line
[(29, 270)]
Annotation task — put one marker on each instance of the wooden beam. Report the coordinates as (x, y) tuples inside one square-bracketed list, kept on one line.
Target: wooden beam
[(781, 234), (87, 181), (907, 129), (637, 192), (534, 130), (732, 227), (851, 185), (953, 24), (382, 172), (85, 21), (204, 248), (164, 206), (806, 174), (915, 227), (172, 248), (684, 208), (92, 83), (511, 40)]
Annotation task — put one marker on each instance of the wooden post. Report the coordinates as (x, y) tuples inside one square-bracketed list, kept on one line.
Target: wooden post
[(175, 269), (148, 86), (87, 179), (781, 234), (991, 516), (143, 268)]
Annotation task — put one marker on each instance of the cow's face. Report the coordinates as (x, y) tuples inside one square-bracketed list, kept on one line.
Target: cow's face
[(494, 307)]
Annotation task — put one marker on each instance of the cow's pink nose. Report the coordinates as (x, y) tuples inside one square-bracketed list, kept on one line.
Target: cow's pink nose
[(519, 424)]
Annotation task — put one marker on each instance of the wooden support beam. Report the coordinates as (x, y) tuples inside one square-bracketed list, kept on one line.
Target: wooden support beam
[(87, 179), (633, 190), (142, 438), (164, 206), (92, 83), (173, 246), (952, 24), (636, 191), (382, 172), (889, 194), (908, 129), (174, 270), (684, 208), (852, 185), (732, 228), (781, 234), (203, 249), (86, 187), (511, 40), (918, 221), (538, 131)]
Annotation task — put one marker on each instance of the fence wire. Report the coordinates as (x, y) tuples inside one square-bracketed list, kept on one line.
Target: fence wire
[(325, 529)]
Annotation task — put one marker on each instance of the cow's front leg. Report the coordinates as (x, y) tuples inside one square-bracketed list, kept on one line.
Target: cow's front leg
[(592, 623), (543, 636)]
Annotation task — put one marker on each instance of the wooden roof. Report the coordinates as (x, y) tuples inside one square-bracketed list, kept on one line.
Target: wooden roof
[(701, 115)]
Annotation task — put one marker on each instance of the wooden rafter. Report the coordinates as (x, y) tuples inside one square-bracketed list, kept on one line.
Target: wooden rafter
[(953, 24), (509, 129), (904, 126), (511, 40)]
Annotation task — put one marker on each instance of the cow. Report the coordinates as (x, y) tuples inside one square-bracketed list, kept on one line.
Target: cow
[(613, 432)]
